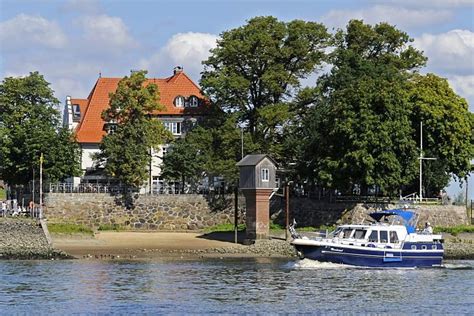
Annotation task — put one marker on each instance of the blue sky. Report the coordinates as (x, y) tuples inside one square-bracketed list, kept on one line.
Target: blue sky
[(70, 42)]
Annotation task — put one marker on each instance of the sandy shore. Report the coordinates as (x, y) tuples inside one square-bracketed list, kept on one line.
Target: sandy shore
[(129, 245)]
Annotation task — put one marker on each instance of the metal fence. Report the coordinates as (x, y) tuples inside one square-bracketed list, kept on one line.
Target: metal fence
[(156, 189), (9, 209)]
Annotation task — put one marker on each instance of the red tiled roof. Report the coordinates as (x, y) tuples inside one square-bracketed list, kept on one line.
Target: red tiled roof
[(91, 127)]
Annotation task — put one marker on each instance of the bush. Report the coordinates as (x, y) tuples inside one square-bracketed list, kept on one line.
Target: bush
[(455, 229), (114, 227), (66, 228)]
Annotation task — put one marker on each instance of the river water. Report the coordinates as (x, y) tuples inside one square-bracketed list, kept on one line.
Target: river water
[(231, 286)]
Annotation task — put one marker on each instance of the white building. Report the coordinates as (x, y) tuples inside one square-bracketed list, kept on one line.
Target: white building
[(181, 97)]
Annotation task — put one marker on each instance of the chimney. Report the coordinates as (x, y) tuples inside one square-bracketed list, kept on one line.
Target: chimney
[(177, 70)]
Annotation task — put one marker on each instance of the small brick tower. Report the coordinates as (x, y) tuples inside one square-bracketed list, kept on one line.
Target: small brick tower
[(257, 181)]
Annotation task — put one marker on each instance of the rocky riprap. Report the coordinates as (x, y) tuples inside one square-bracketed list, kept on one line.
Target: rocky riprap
[(261, 248), (459, 247), (24, 239)]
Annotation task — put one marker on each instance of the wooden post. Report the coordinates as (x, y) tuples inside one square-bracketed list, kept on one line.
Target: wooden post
[(33, 192), (236, 212), (471, 212), (287, 198)]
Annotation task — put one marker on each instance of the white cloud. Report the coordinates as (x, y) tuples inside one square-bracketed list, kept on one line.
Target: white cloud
[(27, 30), (451, 52), (399, 16), (184, 49), (464, 85), (106, 32)]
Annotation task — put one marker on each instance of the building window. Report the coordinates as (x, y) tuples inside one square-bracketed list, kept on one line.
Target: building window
[(193, 101), (164, 150), (76, 113), (110, 127), (265, 174), (173, 127), (179, 101)]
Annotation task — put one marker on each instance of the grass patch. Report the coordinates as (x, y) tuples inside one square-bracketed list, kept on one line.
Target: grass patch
[(455, 230), (224, 228), (312, 229), (110, 227), (66, 228), (3, 194)]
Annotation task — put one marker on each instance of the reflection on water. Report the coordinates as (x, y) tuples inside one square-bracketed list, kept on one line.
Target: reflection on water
[(231, 286)]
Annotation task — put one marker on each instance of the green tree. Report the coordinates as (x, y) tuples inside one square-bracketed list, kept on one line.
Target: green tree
[(360, 132), (214, 151), (255, 70), (447, 123), (125, 150), (182, 162), (29, 126)]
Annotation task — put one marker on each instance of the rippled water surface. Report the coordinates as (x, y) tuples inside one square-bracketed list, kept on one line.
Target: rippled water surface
[(231, 286)]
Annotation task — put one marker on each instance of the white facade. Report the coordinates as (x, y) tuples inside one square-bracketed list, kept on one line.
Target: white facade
[(88, 150), (71, 111)]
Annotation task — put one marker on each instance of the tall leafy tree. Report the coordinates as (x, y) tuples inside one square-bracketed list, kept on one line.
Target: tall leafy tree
[(255, 70), (360, 132), (182, 162), (29, 126), (125, 150), (447, 130)]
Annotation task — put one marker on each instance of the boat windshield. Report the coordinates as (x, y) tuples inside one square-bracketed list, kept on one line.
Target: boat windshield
[(348, 232), (336, 232)]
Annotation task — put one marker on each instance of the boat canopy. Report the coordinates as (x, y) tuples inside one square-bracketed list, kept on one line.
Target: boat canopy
[(407, 216)]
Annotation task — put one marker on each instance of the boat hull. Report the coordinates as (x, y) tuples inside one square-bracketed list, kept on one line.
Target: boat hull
[(371, 257)]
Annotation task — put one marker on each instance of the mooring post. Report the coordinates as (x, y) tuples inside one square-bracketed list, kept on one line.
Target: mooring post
[(287, 198), (236, 213)]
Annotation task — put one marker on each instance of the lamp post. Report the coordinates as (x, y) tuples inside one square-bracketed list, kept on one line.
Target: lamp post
[(236, 192), (287, 198), (421, 158), (41, 188)]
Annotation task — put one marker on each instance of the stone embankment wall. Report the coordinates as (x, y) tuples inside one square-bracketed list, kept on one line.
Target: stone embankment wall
[(437, 215), (22, 238), (194, 212), (308, 212), (163, 212)]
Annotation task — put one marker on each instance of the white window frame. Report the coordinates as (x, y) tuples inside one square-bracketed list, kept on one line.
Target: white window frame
[(265, 174), (193, 101), (179, 101), (174, 127)]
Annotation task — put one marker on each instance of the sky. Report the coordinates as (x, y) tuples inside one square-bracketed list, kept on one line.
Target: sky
[(71, 42)]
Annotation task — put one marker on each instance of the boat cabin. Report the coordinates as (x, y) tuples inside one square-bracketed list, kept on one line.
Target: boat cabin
[(365, 235)]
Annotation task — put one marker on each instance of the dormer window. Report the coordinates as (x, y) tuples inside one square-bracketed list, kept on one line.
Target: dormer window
[(76, 113), (179, 101), (193, 101), (110, 127)]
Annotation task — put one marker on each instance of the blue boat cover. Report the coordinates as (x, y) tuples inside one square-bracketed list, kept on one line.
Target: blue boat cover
[(407, 216)]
